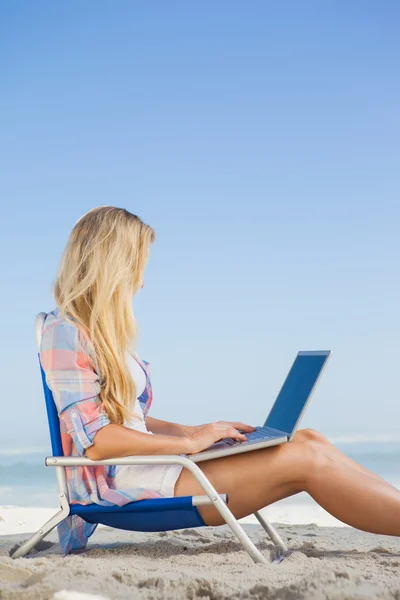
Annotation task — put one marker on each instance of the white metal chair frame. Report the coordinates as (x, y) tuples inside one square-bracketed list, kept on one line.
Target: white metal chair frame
[(211, 497)]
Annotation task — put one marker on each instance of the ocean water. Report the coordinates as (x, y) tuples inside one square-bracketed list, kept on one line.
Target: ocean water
[(28, 493)]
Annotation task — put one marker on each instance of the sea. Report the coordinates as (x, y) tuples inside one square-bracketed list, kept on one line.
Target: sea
[(28, 492)]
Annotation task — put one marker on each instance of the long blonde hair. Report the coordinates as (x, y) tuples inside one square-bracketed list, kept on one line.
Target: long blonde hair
[(101, 268)]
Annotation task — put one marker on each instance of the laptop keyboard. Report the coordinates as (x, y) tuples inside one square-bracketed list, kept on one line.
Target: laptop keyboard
[(259, 435)]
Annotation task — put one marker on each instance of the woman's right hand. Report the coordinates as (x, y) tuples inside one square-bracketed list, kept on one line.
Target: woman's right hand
[(209, 434)]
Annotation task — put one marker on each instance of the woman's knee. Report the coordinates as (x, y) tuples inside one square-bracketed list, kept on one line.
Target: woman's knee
[(305, 435), (318, 459)]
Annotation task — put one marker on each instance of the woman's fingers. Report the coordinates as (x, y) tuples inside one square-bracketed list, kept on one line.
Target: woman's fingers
[(232, 432), (243, 427), (222, 430), (236, 435)]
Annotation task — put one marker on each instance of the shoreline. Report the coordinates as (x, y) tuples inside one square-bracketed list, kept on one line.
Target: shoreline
[(299, 510)]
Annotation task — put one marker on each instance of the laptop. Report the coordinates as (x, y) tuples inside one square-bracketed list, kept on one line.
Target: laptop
[(286, 413)]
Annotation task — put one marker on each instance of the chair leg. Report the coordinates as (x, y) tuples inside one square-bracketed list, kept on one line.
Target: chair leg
[(225, 513), (273, 534), (242, 536), (27, 546)]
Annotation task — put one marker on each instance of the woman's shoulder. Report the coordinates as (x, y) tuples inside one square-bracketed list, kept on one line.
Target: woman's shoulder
[(59, 331)]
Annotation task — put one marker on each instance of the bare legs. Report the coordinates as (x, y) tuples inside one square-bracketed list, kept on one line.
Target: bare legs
[(309, 434), (309, 463)]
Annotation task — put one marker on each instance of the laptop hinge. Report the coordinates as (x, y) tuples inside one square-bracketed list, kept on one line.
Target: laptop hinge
[(277, 431)]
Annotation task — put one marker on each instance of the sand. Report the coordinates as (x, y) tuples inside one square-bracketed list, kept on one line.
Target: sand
[(207, 563)]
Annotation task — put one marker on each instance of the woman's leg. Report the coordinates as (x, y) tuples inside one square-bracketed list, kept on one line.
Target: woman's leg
[(303, 435), (256, 479)]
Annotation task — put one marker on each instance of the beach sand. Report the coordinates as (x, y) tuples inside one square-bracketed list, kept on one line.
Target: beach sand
[(208, 563)]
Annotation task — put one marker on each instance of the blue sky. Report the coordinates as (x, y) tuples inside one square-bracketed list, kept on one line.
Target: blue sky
[(261, 141)]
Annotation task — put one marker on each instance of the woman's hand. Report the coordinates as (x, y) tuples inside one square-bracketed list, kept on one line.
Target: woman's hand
[(190, 429), (203, 436)]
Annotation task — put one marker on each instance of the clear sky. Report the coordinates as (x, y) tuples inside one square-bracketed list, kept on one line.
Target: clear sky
[(261, 140)]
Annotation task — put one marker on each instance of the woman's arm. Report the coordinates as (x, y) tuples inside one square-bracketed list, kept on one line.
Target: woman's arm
[(114, 441), (167, 428)]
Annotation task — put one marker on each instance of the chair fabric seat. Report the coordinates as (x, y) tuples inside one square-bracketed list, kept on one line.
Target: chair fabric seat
[(161, 514)]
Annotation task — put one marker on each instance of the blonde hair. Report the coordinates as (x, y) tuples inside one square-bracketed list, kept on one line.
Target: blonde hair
[(101, 268)]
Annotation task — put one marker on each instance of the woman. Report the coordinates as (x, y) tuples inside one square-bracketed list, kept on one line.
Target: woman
[(103, 394)]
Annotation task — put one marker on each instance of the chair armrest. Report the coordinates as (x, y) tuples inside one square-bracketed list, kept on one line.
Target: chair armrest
[(82, 461)]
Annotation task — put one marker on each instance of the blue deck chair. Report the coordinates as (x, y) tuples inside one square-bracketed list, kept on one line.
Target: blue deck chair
[(161, 514)]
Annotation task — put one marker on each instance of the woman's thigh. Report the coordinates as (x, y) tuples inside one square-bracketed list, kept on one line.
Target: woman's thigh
[(253, 479)]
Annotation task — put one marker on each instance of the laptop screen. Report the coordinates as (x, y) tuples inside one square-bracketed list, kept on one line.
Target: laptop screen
[(296, 390)]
